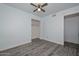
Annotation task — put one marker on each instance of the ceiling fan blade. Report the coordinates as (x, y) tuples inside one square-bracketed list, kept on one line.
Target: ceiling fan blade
[(35, 10), (42, 10), (44, 4), (33, 4)]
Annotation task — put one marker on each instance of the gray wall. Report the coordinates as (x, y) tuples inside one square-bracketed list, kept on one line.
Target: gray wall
[(15, 27), (52, 28)]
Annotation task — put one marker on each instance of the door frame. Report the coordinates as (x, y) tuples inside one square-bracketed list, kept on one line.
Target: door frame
[(64, 25), (31, 24)]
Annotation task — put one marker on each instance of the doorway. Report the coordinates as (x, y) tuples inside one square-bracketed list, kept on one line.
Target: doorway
[(71, 28), (35, 29)]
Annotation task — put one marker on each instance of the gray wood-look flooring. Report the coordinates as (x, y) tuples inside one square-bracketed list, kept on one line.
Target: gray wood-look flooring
[(40, 47)]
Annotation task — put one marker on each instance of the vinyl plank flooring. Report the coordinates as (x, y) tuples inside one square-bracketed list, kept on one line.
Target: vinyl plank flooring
[(39, 47)]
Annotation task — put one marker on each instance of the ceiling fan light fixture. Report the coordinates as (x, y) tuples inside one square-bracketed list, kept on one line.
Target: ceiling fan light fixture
[(39, 9)]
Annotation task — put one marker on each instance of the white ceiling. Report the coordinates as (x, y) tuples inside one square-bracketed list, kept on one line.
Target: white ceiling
[(50, 9)]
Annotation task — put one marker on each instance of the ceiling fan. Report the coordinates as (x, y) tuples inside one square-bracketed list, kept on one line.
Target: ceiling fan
[(39, 6)]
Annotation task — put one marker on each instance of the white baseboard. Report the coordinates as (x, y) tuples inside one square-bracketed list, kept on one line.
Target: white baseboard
[(42, 38), (52, 41), (14, 46)]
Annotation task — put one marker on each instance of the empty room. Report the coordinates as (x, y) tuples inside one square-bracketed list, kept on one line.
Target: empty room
[(39, 29)]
